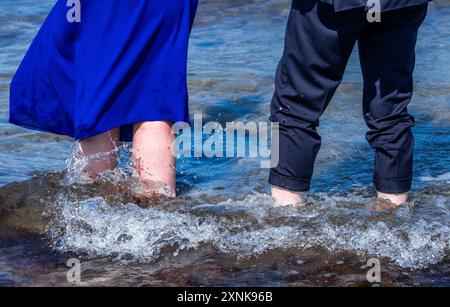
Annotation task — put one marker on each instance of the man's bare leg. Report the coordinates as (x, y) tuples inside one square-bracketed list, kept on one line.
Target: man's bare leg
[(153, 158), (285, 197)]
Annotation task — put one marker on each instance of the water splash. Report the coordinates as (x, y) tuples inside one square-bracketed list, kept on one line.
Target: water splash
[(94, 227), (78, 163), (78, 173), (252, 226)]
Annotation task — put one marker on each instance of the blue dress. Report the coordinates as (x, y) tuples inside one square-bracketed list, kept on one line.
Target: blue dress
[(124, 62)]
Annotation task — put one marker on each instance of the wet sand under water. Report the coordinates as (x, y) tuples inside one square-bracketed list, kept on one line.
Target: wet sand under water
[(223, 229)]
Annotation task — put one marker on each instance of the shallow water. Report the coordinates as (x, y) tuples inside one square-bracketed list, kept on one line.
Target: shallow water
[(223, 230)]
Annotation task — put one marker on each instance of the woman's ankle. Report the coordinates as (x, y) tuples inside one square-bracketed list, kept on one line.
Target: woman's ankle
[(100, 153)]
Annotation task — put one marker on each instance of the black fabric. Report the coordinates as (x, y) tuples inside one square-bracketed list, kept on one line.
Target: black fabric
[(319, 42), (386, 5)]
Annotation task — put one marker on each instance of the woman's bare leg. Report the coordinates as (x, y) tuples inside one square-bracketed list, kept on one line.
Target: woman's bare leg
[(285, 197), (100, 152), (153, 158)]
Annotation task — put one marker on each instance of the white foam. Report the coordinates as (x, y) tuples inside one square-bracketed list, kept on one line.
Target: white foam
[(416, 245), (251, 227), (92, 226)]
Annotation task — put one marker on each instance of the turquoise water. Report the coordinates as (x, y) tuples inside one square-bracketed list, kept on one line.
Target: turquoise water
[(223, 230)]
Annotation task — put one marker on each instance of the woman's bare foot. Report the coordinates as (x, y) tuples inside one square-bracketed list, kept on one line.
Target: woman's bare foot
[(100, 152), (285, 197), (396, 199), (153, 159)]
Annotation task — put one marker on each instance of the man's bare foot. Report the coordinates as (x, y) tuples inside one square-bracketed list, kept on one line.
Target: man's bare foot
[(396, 199), (285, 197)]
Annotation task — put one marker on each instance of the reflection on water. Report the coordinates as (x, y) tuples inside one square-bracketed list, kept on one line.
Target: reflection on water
[(223, 230)]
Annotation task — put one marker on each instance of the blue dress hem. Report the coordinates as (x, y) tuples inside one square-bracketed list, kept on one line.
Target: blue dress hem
[(81, 136)]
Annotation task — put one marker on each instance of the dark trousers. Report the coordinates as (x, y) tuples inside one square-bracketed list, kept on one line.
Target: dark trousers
[(318, 45)]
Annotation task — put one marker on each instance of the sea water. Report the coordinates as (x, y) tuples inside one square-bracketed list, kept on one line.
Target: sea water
[(223, 229)]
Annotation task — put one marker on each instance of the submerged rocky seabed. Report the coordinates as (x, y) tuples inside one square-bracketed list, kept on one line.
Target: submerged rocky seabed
[(224, 229)]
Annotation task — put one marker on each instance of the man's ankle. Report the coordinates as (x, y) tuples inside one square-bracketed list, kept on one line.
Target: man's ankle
[(396, 199), (285, 197)]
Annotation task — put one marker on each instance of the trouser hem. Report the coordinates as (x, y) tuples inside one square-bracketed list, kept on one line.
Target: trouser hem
[(289, 183), (393, 186)]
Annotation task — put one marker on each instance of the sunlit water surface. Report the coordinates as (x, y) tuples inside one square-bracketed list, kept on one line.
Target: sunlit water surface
[(224, 230)]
